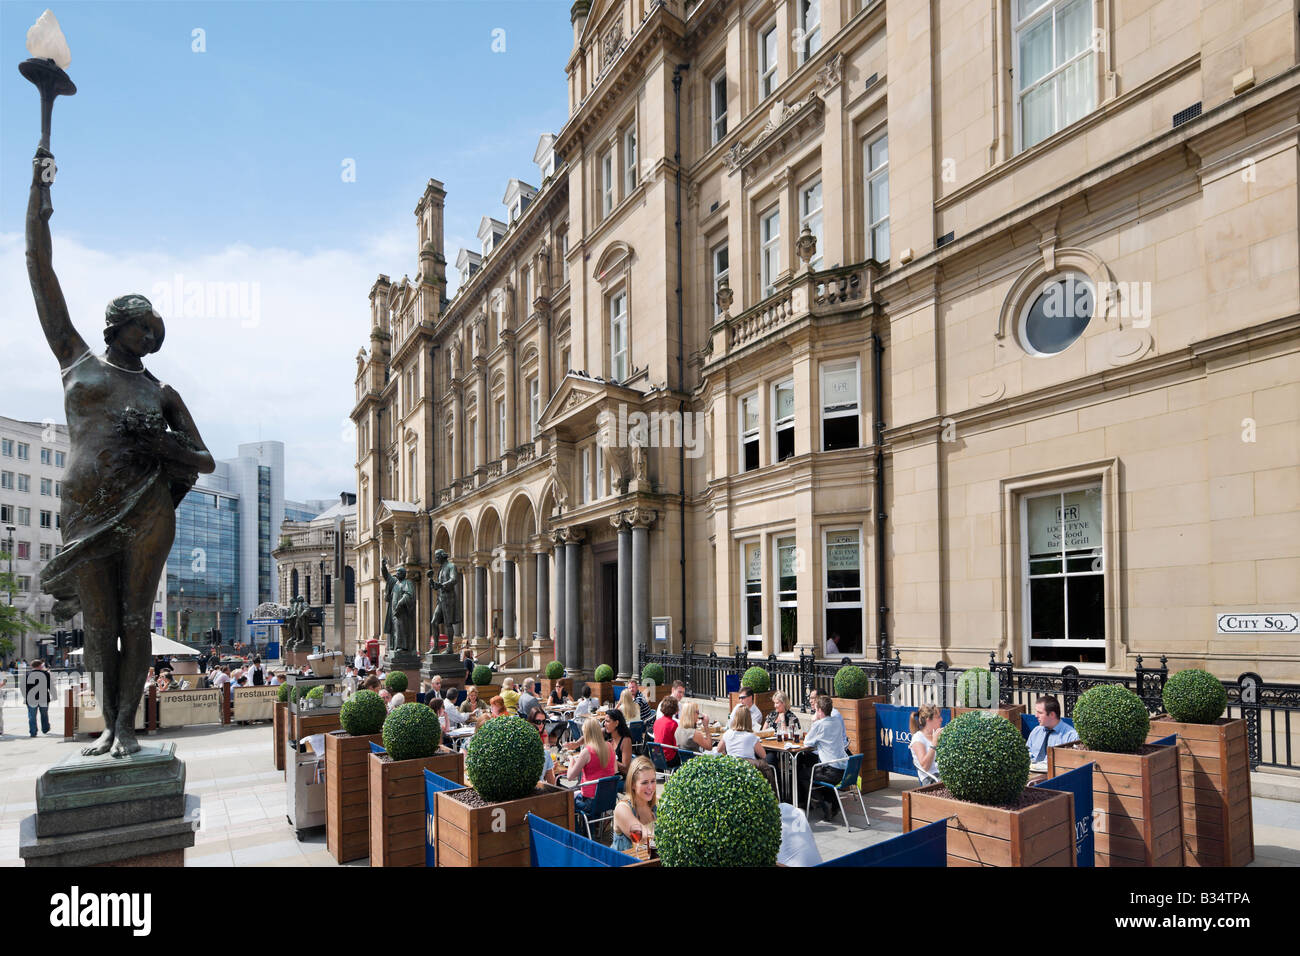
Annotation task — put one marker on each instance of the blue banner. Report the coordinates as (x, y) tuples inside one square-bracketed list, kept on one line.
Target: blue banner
[(894, 737), (1078, 782), (555, 846), (433, 785), (1028, 722), (927, 846), (376, 749)]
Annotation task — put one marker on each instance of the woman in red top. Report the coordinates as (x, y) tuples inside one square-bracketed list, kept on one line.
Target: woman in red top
[(595, 760), (666, 728)]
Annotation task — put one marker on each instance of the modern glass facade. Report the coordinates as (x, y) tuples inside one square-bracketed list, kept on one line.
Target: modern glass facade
[(203, 566), (263, 533)]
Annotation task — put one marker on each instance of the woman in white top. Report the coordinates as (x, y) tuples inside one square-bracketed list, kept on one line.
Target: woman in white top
[(739, 740), (927, 724), (586, 703)]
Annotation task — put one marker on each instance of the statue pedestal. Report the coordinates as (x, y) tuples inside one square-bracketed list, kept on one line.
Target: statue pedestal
[(296, 659), (120, 811), (409, 664), (449, 666)]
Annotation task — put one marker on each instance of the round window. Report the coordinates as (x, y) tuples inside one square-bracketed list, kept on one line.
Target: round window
[(1057, 315)]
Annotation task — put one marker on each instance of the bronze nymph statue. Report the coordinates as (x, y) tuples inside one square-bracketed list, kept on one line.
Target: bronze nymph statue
[(135, 453)]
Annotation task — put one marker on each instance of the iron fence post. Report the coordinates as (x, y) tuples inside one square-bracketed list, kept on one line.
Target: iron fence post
[(1248, 688)]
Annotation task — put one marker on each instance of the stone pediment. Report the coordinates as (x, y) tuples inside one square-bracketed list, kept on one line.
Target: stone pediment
[(580, 399)]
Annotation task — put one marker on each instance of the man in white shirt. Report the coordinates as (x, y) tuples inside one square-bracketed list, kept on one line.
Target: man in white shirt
[(362, 663), (221, 677), (832, 649), (746, 699), (585, 704), (829, 742)]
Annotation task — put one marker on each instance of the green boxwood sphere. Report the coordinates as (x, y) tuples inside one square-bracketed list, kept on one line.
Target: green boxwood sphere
[(316, 693), (412, 731), (976, 687), (363, 713), (1195, 697), (554, 670), (1112, 719), (718, 811), (851, 682), (756, 679), (504, 759), (603, 673), (982, 759), (481, 676), (395, 682), (654, 674), (282, 693)]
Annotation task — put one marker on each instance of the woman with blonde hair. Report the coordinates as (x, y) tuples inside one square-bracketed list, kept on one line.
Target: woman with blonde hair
[(634, 814), (739, 740), (628, 705), (689, 735), (926, 724), (595, 760)]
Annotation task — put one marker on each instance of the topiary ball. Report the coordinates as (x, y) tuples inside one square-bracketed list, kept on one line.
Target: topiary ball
[(481, 676), (411, 731), (851, 682), (756, 679), (982, 760), (653, 674), (1195, 697), (363, 714), (282, 693), (1112, 719), (554, 670), (976, 687), (316, 693), (504, 759), (396, 682), (718, 811), (603, 673)]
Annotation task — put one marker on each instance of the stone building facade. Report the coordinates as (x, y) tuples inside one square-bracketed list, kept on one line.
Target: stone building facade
[(855, 327), (306, 562)]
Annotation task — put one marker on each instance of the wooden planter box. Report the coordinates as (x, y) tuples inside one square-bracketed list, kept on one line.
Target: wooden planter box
[(486, 692), (304, 725), (347, 799), (659, 692), (1214, 774), (548, 685), (479, 836), (1012, 713), (1041, 834), (763, 701), (1136, 809), (397, 813), (279, 726), (860, 724), (603, 691)]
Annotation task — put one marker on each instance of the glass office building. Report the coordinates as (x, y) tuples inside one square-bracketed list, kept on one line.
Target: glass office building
[(204, 564)]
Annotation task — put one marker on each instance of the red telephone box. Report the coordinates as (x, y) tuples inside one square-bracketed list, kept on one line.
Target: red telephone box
[(372, 652)]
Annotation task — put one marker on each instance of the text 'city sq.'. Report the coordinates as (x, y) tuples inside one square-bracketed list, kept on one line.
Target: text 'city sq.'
[(651, 433)]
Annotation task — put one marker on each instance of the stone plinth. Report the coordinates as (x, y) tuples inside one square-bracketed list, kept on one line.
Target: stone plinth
[(155, 843), (449, 666), (81, 794)]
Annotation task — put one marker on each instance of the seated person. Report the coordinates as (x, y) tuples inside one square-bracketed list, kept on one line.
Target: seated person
[(510, 696), (739, 740), (627, 703), (745, 701), (497, 707), (825, 761), (537, 717), (595, 760), (782, 719), (439, 707), (635, 810), (528, 697), (665, 729), (647, 712), (1050, 732), (926, 725), (586, 703), (454, 714), (471, 705), (558, 695), (690, 734)]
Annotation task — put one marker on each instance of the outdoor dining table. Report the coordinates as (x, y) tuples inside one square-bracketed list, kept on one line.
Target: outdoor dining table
[(788, 752), (459, 735)]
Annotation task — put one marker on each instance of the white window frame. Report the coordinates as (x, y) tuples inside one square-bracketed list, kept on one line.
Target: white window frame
[(600, 472), (768, 61), (7, 447), (473, 442), (1026, 615), (811, 29), (717, 117), (855, 411), (1047, 9), (46, 456), (779, 423), (812, 217), (606, 183), (413, 465), (720, 276), (25, 482), (584, 485), (564, 257), (618, 329), (58, 459), (769, 245), (629, 160), (47, 487), (501, 427), (827, 604), (755, 642), (784, 602), (24, 517), (24, 451), (874, 219), (7, 480), (47, 519), (748, 434), (534, 403)]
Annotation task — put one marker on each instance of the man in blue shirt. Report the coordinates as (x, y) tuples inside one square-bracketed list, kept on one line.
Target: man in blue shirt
[(1051, 730)]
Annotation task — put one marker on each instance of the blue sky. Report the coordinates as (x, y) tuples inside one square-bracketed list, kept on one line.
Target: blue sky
[(225, 166)]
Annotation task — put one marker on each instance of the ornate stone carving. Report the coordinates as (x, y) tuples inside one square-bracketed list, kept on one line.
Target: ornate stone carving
[(735, 156), (832, 74), (611, 44)]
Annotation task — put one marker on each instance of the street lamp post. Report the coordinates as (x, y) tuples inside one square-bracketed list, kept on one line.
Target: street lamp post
[(323, 602), (22, 641)]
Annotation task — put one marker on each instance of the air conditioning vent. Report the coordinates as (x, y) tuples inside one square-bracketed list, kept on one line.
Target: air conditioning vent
[(944, 240), (871, 80), (1187, 115)]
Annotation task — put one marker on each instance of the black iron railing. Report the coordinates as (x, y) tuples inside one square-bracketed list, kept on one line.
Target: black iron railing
[(1271, 711)]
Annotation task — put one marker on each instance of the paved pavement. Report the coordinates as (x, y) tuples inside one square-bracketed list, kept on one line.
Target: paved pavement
[(243, 799)]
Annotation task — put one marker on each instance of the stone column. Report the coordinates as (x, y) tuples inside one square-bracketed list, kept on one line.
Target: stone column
[(509, 621), (641, 520), (626, 650), (481, 641), (560, 604), (543, 629), (573, 599)]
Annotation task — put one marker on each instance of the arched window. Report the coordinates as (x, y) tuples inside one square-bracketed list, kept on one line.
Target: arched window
[(293, 583)]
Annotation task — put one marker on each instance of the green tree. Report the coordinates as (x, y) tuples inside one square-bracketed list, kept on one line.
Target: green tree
[(13, 621)]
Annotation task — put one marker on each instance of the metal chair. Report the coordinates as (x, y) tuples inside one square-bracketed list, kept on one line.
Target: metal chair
[(655, 751), (847, 782), (601, 806), (575, 730), (637, 730)]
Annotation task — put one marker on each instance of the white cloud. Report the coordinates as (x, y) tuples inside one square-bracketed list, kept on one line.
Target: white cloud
[(261, 342)]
